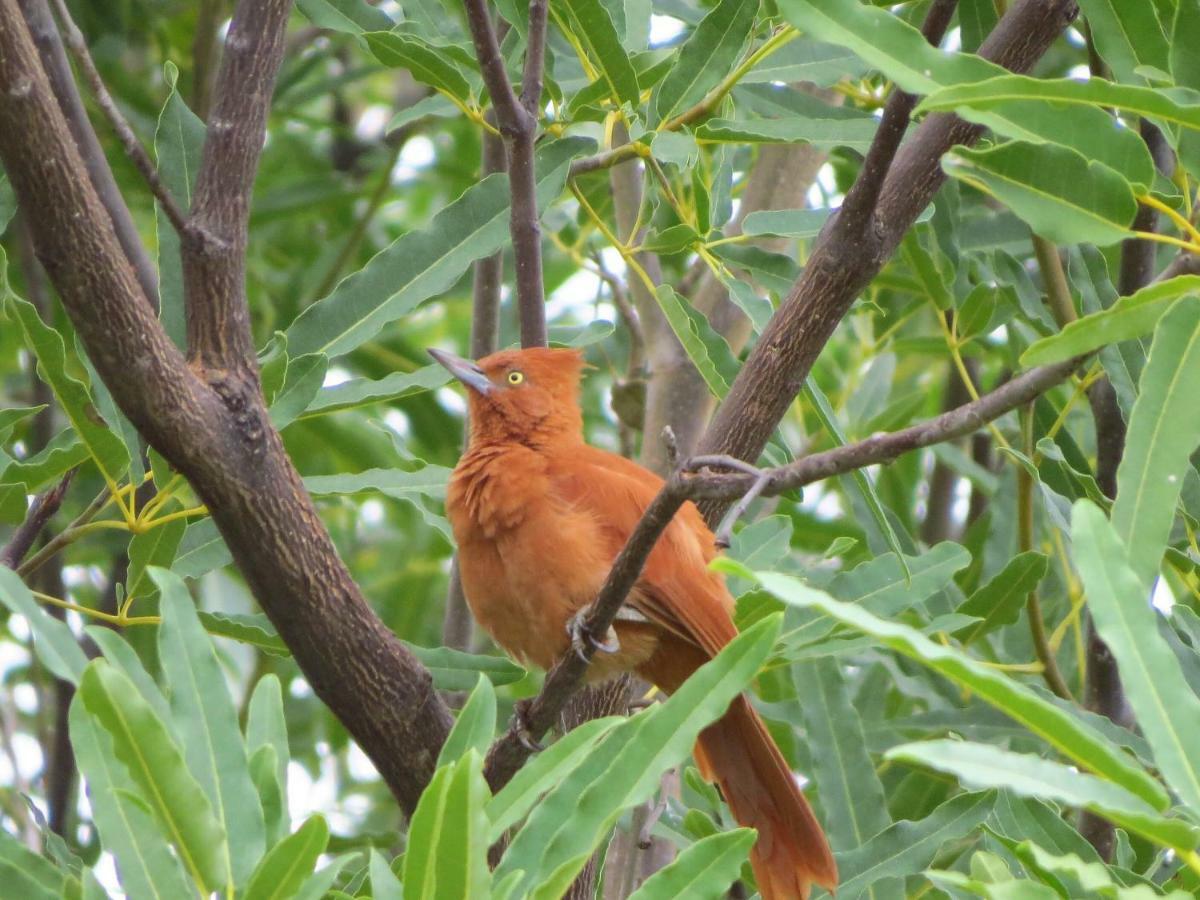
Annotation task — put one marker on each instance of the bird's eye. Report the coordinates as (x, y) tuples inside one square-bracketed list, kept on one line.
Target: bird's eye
[(516, 377)]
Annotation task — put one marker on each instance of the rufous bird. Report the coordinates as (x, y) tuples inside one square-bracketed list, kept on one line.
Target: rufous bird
[(539, 517)]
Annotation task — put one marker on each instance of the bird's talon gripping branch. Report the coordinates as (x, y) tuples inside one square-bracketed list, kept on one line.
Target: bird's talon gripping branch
[(582, 638), (523, 731)]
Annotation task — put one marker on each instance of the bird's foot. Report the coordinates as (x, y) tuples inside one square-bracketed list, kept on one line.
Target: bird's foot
[(582, 639), (524, 734)]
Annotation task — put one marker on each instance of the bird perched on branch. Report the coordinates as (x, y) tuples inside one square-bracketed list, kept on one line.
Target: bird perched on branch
[(539, 517)]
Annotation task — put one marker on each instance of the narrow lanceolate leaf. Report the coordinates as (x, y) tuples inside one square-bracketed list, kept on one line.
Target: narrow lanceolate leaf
[(1127, 35), (899, 50), (147, 866), (1132, 316), (289, 864), (851, 793), (426, 62), (178, 142), (708, 55), (703, 871), (154, 763), (986, 766), (447, 838), (593, 28), (1064, 197), (1166, 708), (475, 726), (1072, 737), (27, 874), (430, 481), (348, 16), (55, 645), (826, 133), (104, 445), (1164, 430), (999, 601), (384, 883), (363, 391), (207, 724), (266, 726), (624, 769), (422, 264), (907, 848), (542, 772), (454, 670), (672, 306), (305, 376)]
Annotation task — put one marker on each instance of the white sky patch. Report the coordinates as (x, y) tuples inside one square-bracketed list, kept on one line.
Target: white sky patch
[(418, 154), (397, 422), (451, 400), (335, 376), (370, 124), (579, 289), (1080, 73), (1162, 596), (663, 29), (371, 512), (953, 42)]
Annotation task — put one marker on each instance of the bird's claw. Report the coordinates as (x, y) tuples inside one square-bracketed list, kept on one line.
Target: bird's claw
[(524, 734), (582, 638)]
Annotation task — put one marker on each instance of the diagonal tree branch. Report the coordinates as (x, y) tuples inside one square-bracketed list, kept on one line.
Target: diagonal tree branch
[(838, 269), (214, 253), (58, 70), (221, 440), (41, 511), (517, 119), (685, 484)]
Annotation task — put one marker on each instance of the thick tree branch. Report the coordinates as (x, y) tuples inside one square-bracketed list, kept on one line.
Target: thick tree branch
[(222, 442), (517, 120), (58, 70), (838, 269), (41, 511), (214, 252), (511, 750), (133, 147)]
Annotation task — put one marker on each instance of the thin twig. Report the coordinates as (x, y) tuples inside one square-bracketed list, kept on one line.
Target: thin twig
[(41, 511), (535, 58), (133, 147)]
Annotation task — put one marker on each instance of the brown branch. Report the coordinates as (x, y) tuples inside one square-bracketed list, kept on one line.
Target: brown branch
[(511, 750), (133, 147), (517, 120), (220, 440), (838, 270), (58, 69), (214, 248), (41, 511)]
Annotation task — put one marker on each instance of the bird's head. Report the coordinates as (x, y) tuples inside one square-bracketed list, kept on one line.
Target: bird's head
[(530, 395)]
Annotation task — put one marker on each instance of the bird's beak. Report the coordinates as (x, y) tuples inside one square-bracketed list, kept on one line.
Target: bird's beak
[(465, 371)]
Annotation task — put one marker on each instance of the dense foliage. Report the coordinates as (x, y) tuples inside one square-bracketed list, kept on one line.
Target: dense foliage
[(918, 634)]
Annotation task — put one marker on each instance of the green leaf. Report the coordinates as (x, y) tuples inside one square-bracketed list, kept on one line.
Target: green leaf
[(348, 16), (593, 28), (675, 311), (15, 415), (447, 837), (422, 264), (155, 547), (289, 863), (907, 848), (1166, 708), (120, 654), (851, 793), (65, 451), (624, 768), (454, 670), (207, 724), (266, 726), (305, 376), (55, 645), (430, 481), (999, 602), (104, 445), (826, 133), (272, 795), (804, 59), (201, 551), (1164, 429), (426, 62), (384, 883), (318, 886), (254, 629), (127, 830), (707, 56), (1064, 197), (1185, 30), (144, 746), (791, 223), (475, 726), (901, 52), (985, 766), (363, 391), (543, 772), (27, 874), (1127, 36), (1074, 739), (704, 871), (1132, 316), (178, 144)]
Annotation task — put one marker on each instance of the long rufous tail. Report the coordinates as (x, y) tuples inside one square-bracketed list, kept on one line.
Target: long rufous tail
[(737, 753)]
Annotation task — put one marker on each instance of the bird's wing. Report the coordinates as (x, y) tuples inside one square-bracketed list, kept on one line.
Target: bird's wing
[(676, 590)]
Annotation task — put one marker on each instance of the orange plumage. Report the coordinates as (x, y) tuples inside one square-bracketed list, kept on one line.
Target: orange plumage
[(539, 517)]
